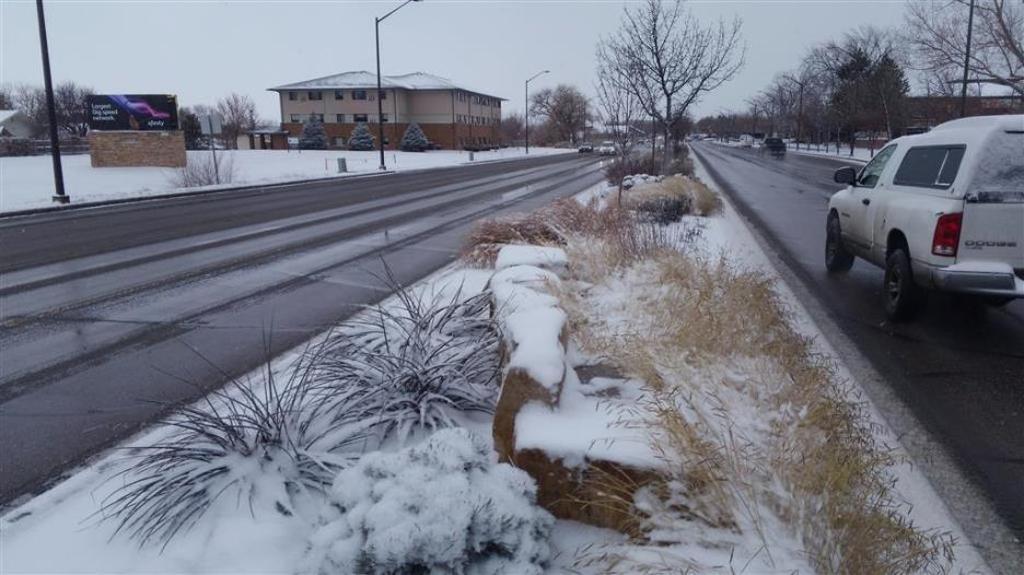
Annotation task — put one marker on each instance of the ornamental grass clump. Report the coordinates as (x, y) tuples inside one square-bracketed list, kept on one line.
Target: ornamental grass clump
[(414, 364), (259, 444)]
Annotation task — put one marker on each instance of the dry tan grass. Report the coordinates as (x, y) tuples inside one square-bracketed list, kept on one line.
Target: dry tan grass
[(839, 486), (485, 240)]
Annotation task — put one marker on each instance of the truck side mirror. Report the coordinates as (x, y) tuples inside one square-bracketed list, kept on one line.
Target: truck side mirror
[(846, 175)]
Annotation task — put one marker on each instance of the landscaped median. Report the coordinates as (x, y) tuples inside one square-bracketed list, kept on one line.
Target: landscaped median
[(614, 383)]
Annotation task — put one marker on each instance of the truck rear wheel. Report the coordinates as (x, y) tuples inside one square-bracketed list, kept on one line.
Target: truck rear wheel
[(837, 258), (903, 297)]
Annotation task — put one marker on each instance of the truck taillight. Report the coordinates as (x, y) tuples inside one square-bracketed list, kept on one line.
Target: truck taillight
[(947, 234)]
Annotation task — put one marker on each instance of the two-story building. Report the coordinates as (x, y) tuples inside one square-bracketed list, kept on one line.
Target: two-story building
[(451, 116)]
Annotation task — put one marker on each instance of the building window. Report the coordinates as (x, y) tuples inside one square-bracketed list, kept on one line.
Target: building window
[(296, 118), (340, 118), (293, 95), (339, 95), (358, 94), (384, 118), (383, 95), (358, 118), (315, 95), (316, 117)]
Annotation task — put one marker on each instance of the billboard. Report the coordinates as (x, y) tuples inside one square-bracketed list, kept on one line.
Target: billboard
[(133, 112)]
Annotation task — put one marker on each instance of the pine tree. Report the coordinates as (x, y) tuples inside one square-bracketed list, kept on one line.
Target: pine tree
[(414, 139), (313, 137), (361, 139)]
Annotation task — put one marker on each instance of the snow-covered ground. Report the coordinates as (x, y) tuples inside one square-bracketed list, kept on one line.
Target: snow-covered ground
[(27, 182)]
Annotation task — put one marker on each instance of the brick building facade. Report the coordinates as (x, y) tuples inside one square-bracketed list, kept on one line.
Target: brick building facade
[(451, 116)]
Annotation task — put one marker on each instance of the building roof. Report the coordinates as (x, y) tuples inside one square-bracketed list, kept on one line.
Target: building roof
[(7, 114), (366, 80)]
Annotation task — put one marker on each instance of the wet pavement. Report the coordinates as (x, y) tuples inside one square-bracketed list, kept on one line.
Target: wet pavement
[(111, 316), (958, 367)]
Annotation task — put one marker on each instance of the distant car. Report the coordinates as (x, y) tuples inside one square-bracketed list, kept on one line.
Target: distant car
[(941, 210), (774, 146), (586, 148), (607, 148)]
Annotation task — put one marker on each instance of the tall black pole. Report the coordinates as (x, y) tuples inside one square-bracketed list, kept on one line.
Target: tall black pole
[(51, 111), (380, 104), (967, 61), (526, 103)]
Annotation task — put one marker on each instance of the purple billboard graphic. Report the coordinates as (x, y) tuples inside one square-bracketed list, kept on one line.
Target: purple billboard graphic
[(133, 112)]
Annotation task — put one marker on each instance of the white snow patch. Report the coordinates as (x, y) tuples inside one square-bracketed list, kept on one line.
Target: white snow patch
[(27, 182), (545, 257)]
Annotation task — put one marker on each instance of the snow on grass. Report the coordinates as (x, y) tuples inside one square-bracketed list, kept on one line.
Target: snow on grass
[(27, 182)]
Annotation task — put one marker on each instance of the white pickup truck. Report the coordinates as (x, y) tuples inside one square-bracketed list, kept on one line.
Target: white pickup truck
[(942, 210)]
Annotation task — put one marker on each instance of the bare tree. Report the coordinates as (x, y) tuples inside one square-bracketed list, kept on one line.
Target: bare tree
[(564, 107), (672, 58), (70, 102), (938, 35), (619, 107), (239, 113), (6, 97), (31, 101), (512, 129)]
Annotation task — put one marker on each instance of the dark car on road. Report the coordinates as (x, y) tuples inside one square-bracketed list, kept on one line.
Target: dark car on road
[(586, 148), (774, 146)]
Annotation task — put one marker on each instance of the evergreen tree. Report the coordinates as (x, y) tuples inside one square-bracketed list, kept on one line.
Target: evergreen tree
[(361, 139), (890, 89), (313, 137), (414, 139), (194, 138)]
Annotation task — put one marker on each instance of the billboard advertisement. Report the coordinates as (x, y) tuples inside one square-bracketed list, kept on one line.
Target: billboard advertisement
[(133, 112)]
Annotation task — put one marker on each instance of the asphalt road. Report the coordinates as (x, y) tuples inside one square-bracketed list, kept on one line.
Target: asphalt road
[(111, 316), (959, 368)]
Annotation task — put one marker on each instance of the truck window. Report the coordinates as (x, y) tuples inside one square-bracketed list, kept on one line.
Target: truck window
[(871, 172), (929, 166)]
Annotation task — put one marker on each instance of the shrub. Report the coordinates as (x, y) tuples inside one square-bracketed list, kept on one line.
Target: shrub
[(414, 139), (405, 367), (16, 147), (485, 240), (623, 166), (361, 139), (443, 506), (202, 171), (264, 448), (314, 136)]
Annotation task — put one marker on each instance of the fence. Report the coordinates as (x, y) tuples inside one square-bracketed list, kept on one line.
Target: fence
[(33, 147)]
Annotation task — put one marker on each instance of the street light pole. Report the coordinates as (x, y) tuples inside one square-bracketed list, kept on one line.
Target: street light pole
[(380, 103), (51, 111), (967, 61), (526, 102)]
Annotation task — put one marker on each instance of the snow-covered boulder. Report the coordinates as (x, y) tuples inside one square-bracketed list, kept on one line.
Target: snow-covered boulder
[(443, 506), (534, 338), (545, 257)]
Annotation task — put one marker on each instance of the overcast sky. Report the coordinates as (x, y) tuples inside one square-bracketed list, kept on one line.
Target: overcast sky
[(201, 50)]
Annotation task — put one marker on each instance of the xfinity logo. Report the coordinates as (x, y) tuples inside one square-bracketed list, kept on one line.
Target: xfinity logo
[(977, 245)]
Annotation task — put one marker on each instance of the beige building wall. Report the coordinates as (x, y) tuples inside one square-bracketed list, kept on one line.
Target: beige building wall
[(452, 118)]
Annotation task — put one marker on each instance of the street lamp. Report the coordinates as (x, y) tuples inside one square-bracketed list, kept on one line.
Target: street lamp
[(51, 112), (526, 101), (380, 104)]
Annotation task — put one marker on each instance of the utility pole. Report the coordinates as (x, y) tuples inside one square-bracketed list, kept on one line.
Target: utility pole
[(51, 110), (380, 103), (526, 102), (967, 61)]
